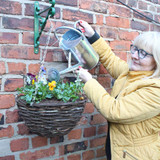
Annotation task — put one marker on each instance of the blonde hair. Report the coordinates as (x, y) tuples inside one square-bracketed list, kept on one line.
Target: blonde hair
[(150, 42)]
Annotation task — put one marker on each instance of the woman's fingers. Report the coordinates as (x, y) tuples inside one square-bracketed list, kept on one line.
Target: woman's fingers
[(86, 28), (84, 74)]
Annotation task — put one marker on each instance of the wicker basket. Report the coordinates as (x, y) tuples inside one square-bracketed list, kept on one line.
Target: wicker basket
[(50, 117)]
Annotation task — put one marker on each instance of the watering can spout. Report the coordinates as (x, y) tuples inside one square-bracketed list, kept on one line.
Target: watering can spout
[(82, 54)]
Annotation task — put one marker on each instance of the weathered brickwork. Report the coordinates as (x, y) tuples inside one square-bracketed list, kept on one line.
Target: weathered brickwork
[(117, 24)]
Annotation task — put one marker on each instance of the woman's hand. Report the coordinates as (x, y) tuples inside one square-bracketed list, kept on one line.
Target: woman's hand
[(84, 74), (86, 28)]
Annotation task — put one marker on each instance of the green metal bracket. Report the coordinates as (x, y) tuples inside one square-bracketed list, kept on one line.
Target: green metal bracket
[(39, 22)]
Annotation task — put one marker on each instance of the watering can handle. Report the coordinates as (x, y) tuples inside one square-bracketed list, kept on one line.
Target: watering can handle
[(75, 24), (65, 27)]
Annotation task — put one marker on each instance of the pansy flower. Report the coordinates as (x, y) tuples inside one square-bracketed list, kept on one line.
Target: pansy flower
[(52, 85), (30, 77)]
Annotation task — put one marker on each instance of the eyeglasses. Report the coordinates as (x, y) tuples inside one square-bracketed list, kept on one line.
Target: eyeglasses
[(141, 53)]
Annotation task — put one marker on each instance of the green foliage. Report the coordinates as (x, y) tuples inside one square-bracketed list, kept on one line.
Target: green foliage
[(69, 91)]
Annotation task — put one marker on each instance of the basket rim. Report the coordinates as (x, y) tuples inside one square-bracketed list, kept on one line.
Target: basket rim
[(43, 103)]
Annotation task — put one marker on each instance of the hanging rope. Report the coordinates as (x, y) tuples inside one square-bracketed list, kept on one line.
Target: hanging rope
[(44, 56)]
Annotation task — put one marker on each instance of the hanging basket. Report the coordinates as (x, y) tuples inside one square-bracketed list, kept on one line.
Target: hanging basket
[(50, 117)]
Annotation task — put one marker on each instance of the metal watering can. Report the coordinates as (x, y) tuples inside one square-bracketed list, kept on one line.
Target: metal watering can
[(77, 48)]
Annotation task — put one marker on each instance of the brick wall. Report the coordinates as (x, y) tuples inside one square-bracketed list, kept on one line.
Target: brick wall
[(116, 23)]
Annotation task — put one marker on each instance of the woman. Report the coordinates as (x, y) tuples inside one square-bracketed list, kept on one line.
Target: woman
[(133, 107)]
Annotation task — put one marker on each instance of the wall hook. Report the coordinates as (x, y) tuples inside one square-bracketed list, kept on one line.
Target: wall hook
[(40, 22)]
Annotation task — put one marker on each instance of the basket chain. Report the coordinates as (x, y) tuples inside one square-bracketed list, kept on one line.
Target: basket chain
[(44, 54)]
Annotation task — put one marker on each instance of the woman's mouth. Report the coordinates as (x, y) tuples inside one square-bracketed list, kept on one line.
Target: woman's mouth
[(135, 63)]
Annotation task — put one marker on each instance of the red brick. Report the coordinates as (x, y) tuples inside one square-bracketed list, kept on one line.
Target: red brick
[(28, 38), (100, 152), (152, 8), (105, 81), (12, 116), (7, 158), (93, 70), (121, 55), (56, 139), (2, 66), (128, 36), (109, 1), (132, 3), (73, 15), (70, 148), (43, 153), (23, 129), (98, 142), (157, 18), (155, 28), (75, 134), (88, 155), (75, 147), (98, 119), (148, 14), (7, 101), (102, 70), (108, 32), (61, 150), (0, 83), (89, 132), (68, 3), (158, 9), (10, 7), (142, 5), (6, 132), (83, 121), (19, 52), (19, 144), (117, 22), (120, 45), (102, 129), (16, 23), (89, 108), (139, 26), (74, 157), (10, 38), (99, 19), (99, 6), (86, 4), (12, 84), (60, 158), (16, 68), (55, 55), (34, 68), (30, 12), (118, 10), (39, 141), (57, 24)]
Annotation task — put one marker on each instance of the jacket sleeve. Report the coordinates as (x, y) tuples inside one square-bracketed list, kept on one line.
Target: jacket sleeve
[(137, 106), (114, 65)]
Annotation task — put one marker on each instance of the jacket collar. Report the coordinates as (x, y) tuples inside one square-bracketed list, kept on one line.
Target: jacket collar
[(137, 75)]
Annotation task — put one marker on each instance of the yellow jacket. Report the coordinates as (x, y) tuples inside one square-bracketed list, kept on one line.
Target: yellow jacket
[(134, 114)]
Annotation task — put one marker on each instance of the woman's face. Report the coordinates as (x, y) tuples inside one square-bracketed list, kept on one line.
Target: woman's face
[(141, 64)]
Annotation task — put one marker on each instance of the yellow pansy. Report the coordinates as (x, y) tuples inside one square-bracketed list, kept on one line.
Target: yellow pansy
[(52, 85), (33, 81)]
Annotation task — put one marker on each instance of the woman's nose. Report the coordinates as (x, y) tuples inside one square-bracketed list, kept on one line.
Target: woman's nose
[(135, 55)]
